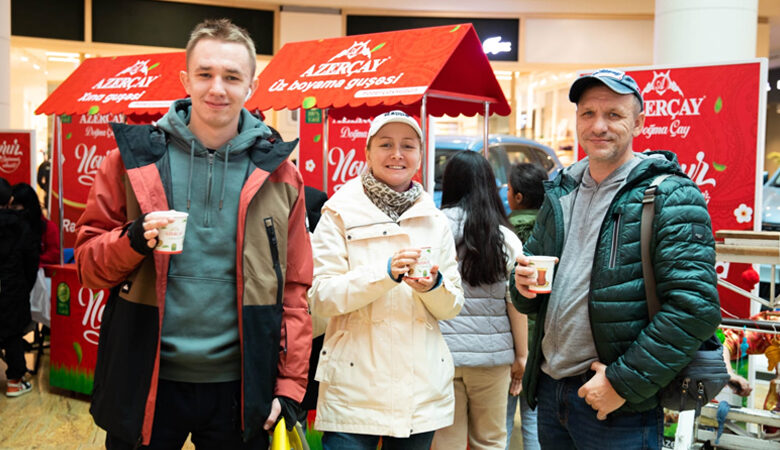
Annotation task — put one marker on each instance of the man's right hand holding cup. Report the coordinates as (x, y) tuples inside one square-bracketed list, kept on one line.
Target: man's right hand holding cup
[(528, 281)]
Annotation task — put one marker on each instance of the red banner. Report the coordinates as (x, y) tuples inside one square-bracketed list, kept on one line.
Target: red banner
[(346, 149), (17, 156), (709, 117), (76, 316), (86, 140)]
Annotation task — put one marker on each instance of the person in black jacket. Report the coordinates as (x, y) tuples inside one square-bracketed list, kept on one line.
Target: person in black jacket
[(18, 268)]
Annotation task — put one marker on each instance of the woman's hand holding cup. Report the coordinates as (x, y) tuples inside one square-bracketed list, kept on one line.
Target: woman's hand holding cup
[(402, 261)]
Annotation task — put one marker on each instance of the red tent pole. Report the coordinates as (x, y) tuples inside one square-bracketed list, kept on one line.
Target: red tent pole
[(60, 202), (325, 150), (427, 185)]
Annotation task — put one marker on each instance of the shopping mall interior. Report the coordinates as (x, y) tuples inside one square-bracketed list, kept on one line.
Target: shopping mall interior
[(539, 48)]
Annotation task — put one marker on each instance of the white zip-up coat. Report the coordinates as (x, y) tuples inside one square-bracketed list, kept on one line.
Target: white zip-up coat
[(384, 368)]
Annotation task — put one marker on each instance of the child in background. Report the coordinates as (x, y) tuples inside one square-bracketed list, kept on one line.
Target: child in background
[(525, 193)]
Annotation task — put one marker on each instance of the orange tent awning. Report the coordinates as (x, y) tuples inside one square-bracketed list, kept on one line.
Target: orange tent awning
[(365, 74), (135, 84)]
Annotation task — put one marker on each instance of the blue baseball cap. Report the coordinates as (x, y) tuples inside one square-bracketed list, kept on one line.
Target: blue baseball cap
[(618, 81)]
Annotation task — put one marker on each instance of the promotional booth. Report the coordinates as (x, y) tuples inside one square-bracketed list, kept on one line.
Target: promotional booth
[(346, 81), (136, 89)]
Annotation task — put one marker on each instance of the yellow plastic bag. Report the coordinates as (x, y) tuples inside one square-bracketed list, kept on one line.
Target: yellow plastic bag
[(288, 440)]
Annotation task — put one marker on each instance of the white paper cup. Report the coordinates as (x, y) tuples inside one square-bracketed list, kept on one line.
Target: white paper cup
[(545, 268), (422, 270), (171, 237)]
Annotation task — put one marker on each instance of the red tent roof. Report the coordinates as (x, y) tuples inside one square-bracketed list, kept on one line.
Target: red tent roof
[(365, 74), (134, 84)]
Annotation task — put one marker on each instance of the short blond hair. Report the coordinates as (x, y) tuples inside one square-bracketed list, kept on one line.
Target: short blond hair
[(222, 30)]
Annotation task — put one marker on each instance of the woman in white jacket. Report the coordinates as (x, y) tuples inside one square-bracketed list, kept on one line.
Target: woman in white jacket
[(489, 335), (385, 370)]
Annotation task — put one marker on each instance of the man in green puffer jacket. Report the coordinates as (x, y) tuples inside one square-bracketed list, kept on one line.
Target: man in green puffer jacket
[(596, 362)]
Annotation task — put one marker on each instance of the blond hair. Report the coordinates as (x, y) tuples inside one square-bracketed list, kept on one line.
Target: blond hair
[(222, 30)]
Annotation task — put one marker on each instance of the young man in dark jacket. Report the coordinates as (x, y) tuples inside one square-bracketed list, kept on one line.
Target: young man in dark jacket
[(215, 340), (18, 268), (595, 357)]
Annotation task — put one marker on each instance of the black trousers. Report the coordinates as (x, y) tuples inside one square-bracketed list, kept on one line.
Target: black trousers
[(210, 411), (14, 357)]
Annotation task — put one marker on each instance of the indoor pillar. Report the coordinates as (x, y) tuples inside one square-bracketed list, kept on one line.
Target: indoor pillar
[(704, 31)]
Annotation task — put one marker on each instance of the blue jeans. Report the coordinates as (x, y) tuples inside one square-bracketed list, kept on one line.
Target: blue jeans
[(527, 422), (351, 441), (567, 422)]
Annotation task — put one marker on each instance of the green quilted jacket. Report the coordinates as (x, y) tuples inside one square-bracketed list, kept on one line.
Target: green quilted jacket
[(642, 356)]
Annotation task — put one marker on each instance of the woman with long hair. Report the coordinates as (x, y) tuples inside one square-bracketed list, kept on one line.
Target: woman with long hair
[(384, 368), (489, 335)]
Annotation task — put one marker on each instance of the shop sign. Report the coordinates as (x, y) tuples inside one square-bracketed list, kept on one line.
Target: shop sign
[(711, 118), (17, 156), (77, 313), (86, 140)]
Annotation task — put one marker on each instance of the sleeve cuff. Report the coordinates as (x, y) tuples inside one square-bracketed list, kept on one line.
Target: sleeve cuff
[(390, 272), (439, 279)]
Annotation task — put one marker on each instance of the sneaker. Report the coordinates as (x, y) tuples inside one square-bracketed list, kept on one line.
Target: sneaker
[(18, 387)]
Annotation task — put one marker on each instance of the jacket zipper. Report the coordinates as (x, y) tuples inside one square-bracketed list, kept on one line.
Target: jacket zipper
[(207, 212), (269, 229), (613, 250)]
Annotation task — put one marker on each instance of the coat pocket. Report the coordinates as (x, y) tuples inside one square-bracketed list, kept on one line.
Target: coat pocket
[(332, 352)]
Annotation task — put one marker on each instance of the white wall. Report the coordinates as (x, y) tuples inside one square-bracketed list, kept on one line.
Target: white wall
[(588, 41)]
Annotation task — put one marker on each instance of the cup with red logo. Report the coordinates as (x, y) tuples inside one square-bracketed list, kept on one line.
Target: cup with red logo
[(171, 237), (422, 270), (545, 268)]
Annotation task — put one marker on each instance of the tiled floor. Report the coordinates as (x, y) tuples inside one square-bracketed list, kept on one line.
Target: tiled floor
[(53, 418), (48, 417)]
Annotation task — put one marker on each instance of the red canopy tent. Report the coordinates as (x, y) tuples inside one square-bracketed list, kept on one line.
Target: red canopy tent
[(436, 71), (135, 84)]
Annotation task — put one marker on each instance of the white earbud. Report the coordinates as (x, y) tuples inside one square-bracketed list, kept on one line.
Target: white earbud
[(248, 94)]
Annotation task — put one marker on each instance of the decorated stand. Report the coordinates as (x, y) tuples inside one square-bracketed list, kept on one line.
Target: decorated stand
[(424, 72)]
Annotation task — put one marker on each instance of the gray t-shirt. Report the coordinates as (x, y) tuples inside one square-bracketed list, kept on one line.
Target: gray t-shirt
[(568, 345)]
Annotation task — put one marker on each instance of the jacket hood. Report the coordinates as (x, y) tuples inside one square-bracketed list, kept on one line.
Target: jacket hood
[(175, 122)]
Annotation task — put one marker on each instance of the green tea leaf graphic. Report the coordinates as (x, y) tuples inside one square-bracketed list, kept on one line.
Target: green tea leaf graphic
[(68, 136), (718, 104), (309, 102), (77, 349), (317, 138), (455, 29), (153, 66), (718, 167), (377, 47), (93, 110)]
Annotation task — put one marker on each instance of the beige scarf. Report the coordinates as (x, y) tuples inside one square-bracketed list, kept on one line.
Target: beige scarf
[(386, 199)]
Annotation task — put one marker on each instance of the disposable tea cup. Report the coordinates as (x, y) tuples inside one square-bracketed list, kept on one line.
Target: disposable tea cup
[(544, 271), (171, 237), (422, 269)]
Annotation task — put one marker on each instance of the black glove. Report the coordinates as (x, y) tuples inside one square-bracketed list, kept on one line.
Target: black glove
[(290, 411), (135, 232)]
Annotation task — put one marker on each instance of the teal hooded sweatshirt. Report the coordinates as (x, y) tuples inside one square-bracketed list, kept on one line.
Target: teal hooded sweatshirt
[(200, 340)]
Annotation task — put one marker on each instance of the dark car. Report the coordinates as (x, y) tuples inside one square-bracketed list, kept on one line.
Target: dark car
[(504, 151)]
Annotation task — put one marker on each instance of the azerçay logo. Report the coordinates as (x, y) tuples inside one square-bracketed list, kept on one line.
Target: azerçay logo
[(673, 104)]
